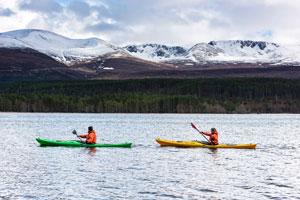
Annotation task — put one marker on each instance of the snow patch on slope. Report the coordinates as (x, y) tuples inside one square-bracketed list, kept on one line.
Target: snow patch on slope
[(156, 52)]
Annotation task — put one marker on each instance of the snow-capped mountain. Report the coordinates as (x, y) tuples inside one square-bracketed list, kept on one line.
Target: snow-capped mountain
[(62, 49), (42, 55), (76, 51), (228, 51)]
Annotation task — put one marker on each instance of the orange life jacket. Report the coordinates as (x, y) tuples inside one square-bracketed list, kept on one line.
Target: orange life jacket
[(213, 137), (91, 138)]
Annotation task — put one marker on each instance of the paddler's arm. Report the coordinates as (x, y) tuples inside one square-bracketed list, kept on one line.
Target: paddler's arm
[(205, 133), (83, 136)]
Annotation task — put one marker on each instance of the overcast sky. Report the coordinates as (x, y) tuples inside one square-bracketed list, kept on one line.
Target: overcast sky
[(171, 22)]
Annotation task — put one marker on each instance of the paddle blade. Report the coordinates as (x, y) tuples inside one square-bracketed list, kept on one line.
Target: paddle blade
[(74, 132), (194, 126)]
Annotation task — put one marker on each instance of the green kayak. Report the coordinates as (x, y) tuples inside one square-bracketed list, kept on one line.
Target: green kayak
[(72, 143)]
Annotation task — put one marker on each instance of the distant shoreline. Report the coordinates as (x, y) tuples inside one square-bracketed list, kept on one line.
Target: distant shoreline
[(149, 113), (161, 96)]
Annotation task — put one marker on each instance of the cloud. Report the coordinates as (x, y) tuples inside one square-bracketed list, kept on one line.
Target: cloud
[(43, 6), (104, 27), (158, 21), (6, 12), (80, 8)]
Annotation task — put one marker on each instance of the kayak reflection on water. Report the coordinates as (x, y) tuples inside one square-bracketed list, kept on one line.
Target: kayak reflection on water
[(214, 152), (92, 150)]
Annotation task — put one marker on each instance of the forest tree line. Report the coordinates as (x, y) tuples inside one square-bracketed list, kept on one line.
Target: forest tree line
[(230, 95)]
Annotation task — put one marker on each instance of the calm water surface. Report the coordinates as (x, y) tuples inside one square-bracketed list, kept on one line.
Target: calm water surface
[(148, 171)]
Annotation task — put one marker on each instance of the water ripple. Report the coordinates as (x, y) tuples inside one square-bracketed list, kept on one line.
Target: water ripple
[(148, 171)]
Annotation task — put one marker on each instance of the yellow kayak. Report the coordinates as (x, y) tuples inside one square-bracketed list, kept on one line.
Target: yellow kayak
[(199, 144)]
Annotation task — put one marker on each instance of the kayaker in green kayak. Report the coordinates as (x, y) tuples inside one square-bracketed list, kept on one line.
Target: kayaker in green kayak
[(213, 136), (91, 137)]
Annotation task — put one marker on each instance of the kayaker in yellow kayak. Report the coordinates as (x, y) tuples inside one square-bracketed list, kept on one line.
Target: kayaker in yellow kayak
[(91, 137), (213, 136)]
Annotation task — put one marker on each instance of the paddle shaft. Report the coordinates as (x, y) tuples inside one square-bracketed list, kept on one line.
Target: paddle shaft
[(199, 131)]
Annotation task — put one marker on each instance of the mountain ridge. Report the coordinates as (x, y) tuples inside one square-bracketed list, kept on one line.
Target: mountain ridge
[(93, 58), (74, 51), (227, 51)]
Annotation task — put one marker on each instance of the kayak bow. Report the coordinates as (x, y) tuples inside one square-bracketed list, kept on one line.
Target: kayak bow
[(199, 144), (70, 143)]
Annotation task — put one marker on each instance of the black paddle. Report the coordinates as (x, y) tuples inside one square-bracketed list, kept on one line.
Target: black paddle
[(199, 131), (75, 133)]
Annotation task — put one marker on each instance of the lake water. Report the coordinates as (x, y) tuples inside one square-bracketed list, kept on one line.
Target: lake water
[(148, 171)]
